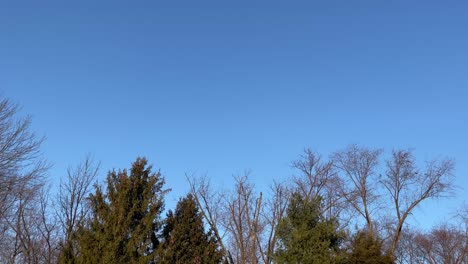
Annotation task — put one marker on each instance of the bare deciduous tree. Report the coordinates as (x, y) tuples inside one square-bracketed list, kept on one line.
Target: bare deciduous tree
[(22, 171), (408, 186), (21, 165), (273, 211), (34, 229), (443, 244), (244, 223), (319, 178), (210, 204), (72, 208), (48, 227), (358, 167)]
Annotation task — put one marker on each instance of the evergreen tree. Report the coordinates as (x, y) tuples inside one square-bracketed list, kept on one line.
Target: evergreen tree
[(305, 236), (367, 249), (185, 240), (125, 219)]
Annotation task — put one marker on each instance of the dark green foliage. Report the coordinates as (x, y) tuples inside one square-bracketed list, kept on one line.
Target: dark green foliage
[(185, 240), (306, 236), (366, 249), (125, 219), (67, 252)]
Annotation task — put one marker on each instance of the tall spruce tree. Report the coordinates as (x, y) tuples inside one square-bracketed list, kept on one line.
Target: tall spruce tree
[(305, 236), (185, 239), (125, 219)]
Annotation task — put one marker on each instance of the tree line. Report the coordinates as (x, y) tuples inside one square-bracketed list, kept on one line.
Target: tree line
[(350, 207)]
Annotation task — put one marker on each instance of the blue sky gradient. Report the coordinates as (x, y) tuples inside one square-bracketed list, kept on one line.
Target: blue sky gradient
[(221, 87)]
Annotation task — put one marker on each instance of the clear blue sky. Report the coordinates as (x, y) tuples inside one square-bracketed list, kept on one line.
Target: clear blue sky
[(223, 86)]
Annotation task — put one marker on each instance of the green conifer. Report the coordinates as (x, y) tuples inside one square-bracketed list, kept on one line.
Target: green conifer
[(367, 249), (125, 219), (185, 239), (305, 236)]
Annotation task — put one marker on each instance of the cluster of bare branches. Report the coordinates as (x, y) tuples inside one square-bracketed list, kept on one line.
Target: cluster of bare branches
[(25, 228), (445, 243), (31, 227), (399, 186), (353, 182), (243, 222)]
